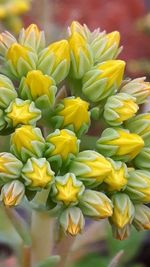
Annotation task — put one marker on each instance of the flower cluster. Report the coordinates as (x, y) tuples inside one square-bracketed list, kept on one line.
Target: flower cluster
[(57, 91)]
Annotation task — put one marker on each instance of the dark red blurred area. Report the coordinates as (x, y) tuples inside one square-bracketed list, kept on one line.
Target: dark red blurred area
[(111, 15)]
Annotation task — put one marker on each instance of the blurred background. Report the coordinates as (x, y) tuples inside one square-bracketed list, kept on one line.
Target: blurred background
[(132, 19)]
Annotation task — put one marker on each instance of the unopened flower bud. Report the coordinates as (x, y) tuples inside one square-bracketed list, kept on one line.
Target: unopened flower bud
[(67, 115), (37, 173), (27, 141), (90, 167), (143, 159), (32, 37), (72, 221), (62, 145), (123, 211), (38, 87), (6, 40), (81, 55), (22, 112), (137, 88), (119, 108), (12, 193), (7, 91), (67, 189), (142, 217), (116, 180), (95, 204), (140, 125), (138, 187), (20, 60), (10, 167), (119, 144), (55, 60), (103, 79)]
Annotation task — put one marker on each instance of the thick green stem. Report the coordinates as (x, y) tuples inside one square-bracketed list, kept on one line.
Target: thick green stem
[(64, 247), (42, 236)]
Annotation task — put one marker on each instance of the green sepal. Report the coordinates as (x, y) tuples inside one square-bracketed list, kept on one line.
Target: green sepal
[(142, 161), (7, 91)]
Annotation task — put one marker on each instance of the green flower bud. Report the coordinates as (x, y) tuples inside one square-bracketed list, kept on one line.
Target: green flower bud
[(90, 167), (7, 91), (138, 187), (143, 159), (32, 38), (103, 80), (81, 55), (142, 217), (62, 145), (67, 189), (106, 46), (140, 125), (121, 233), (22, 112), (12, 193), (37, 173), (95, 204), (119, 144), (20, 60), (123, 212), (27, 142), (72, 221), (137, 88), (39, 88), (6, 40), (10, 167), (55, 60), (120, 108), (116, 180), (67, 115)]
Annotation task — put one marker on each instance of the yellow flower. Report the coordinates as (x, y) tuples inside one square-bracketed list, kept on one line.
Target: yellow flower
[(113, 71), (39, 84), (60, 50), (123, 211), (17, 51), (37, 173), (64, 141), (91, 167), (117, 178), (68, 189), (81, 55), (23, 112), (127, 111), (27, 141), (128, 143), (10, 166), (72, 108)]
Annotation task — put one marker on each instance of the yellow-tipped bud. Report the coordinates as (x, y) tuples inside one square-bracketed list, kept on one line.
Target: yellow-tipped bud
[(55, 60), (69, 115), (72, 221), (117, 178), (62, 143), (12, 193), (67, 189), (120, 144), (81, 55), (103, 79), (123, 212), (22, 112), (37, 173)]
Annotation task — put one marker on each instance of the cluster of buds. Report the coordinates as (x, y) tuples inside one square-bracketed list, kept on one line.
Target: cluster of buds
[(48, 123)]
